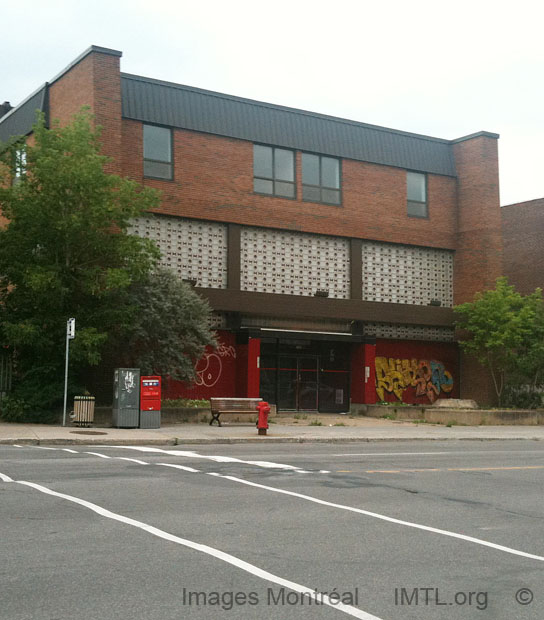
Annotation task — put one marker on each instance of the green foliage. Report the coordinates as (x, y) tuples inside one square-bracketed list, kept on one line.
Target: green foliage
[(65, 252), (521, 397), (505, 331), (179, 403), (168, 331)]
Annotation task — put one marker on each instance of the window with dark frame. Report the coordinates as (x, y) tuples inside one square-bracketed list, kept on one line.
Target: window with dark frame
[(321, 179), (273, 171), (416, 192), (157, 152)]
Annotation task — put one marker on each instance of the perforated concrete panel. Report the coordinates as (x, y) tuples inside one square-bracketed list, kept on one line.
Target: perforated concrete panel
[(407, 275), (217, 320), (194, 250), (409, 332), (290, 263)]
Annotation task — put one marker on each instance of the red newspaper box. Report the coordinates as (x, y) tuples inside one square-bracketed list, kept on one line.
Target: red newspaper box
[(150, 402)]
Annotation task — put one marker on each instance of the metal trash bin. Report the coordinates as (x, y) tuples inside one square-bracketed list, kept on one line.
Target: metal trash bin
[(83, 414)]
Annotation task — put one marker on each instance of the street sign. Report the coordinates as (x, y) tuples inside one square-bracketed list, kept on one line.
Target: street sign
[(70, 335), (71, 328)]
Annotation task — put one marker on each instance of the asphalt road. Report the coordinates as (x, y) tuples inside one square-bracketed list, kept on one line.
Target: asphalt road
[(394, 530)]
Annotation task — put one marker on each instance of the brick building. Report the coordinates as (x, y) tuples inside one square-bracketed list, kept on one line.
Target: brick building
[(523, 238), (331, 251)]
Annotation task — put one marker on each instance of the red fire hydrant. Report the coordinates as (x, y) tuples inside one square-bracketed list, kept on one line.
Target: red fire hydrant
[(262, 422)]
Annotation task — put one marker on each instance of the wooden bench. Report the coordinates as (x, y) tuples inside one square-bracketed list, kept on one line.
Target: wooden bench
[(232, 405)]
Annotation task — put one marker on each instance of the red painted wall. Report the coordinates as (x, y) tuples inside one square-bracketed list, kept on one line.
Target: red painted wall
[(216, 373), (416, 372), (358, 373), (370, 380), (253, 368)]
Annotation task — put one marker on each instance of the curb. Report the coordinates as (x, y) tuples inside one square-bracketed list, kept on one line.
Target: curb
[(178, 441)]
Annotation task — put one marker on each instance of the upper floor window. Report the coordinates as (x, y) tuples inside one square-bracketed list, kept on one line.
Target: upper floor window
[(416, 192), (157, 152), (320, 179), (273, 171)]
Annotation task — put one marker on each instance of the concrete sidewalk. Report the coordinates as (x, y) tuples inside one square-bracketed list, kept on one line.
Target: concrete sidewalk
[(366, 429)]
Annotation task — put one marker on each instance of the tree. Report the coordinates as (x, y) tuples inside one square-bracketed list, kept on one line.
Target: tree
[(505, 331), (65, 252), (169, 329)]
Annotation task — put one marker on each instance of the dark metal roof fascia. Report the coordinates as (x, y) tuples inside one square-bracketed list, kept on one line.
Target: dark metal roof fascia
[(19, 121), (175, 105)]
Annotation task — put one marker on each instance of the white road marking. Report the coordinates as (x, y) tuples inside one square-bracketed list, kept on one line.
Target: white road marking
[(183, 467), (102, 456), (5, 478), (376, 515), (217, 459), (71, 451), (211, 551), (316, 500), (126, 458)]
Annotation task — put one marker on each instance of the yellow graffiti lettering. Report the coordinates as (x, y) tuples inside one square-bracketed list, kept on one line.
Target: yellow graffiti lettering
[(429, 377)]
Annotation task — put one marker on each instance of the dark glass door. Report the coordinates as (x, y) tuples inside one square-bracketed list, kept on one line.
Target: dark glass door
[(298, 383), (307, 384), (287, 383)]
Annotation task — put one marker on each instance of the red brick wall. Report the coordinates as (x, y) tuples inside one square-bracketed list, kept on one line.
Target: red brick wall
[(72, 91), (213, 179), (478, 259), (523, 238), (95, 81)]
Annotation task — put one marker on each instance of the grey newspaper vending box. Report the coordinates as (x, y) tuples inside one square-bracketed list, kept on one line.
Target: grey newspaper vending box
[(126, 397)]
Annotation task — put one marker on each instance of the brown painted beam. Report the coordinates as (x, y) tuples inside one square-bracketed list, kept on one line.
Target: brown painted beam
[(298, 306)]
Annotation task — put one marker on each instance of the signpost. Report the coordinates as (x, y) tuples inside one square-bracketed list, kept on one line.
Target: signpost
[(70, 335)]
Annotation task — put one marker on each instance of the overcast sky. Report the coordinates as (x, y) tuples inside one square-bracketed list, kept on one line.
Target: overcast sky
[(430, 67)]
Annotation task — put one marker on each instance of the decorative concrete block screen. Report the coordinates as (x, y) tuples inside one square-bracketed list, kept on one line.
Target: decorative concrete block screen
[(409, 332), (274, 261), (194, 250), (217, 320), (407, 275)]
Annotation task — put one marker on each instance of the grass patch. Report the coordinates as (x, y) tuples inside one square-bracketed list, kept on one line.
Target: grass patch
[(339, 424), (315, 423), (389, 416)]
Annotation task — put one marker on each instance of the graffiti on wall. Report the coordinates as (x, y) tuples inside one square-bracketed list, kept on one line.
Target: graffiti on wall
[(428, 377), (209, 367)]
